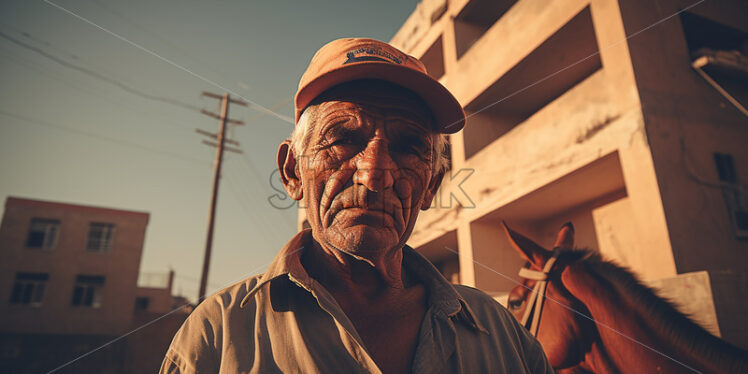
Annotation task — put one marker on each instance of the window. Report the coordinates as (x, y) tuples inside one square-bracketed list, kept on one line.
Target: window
[(141, 303), (719, 54), (725, 168), (28, 288), (43, 233), (87, 291), (100, 237), (732, 193), (509, 101), (475, 19), (433, 59)]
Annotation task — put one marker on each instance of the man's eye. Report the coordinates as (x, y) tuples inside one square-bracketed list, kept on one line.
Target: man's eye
[(344, 141), (410, 148), (515, 304), (347, 143)]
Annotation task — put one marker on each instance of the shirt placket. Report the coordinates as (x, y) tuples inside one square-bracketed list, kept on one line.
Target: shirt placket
[(436, 342), (354, 344)]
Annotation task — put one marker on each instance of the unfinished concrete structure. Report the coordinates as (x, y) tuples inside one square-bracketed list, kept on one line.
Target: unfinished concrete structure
[(591, 111)]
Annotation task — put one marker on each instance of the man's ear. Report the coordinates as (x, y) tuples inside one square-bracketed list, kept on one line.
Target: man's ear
[(436, 181), (289, 170)]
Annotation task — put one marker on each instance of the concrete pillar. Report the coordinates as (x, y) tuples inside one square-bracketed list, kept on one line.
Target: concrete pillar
[(465, 242), (496, 263)]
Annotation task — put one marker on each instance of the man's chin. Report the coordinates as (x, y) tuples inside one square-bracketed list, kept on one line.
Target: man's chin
[(363, 239)]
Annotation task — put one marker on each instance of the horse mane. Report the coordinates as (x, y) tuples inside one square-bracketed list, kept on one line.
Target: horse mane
[(666, 319)]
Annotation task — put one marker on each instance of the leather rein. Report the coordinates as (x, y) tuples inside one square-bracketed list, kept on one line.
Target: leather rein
[(537, 296)]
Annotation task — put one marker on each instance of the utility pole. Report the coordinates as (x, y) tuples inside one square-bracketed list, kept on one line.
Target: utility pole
[(220, 144)]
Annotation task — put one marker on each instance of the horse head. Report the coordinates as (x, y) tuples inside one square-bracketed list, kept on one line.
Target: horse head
[(566, 335), (576, 285)]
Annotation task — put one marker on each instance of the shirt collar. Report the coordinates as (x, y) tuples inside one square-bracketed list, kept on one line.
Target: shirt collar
[(442, 295), (288, 261)]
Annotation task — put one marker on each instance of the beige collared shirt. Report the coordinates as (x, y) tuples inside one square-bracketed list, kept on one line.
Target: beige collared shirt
[(283, 321)]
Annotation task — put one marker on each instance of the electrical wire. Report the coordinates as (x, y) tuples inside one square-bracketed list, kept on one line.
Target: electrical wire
[(252, 104), (274, 108), (264, 189), (249, 164), (101, 137), (165, 41), (252, 213), (98, 76), (96, 94)]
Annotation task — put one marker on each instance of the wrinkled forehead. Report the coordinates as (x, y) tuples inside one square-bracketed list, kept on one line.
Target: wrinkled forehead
[(368, 113), (375, 99)]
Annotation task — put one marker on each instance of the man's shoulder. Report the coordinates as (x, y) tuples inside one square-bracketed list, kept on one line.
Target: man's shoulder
[(227, 298), (504, 328), (485, 307), (475, 296), (197, 345)]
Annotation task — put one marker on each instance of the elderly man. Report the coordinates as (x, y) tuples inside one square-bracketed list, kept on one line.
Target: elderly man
[(348, 296)]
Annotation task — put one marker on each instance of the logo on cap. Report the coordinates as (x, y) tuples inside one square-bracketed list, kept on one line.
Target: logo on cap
[(374, 54)]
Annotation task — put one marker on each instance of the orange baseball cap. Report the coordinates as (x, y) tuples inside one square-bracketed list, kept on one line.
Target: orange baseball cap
[(349, 59)]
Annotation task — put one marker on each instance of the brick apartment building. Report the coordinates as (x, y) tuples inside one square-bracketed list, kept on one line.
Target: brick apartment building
[(642, 144), (69, 278)]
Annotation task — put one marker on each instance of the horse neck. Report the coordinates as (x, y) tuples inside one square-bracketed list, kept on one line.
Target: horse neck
[(637, 327)]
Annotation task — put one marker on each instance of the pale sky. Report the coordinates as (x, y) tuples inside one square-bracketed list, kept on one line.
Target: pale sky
[(77, 124)]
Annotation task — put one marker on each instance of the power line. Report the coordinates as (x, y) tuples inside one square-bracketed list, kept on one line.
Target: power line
[(253, 198), (97, 75), (161, 39), (252, 170), (100, 137), (246, 207), (251, 104), (249, 164), (274, 108), (250, 208), (97, 94), (260, 224), (40, 41)]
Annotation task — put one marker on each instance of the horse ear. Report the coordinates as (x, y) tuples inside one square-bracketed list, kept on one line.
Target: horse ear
[(565, 237), (528, 249)]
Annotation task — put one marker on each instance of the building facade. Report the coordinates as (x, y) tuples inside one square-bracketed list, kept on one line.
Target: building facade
[(69, 283), (596, 112), (68, 268)]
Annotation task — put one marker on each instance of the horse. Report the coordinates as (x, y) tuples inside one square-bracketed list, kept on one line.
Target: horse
[(599, 318)]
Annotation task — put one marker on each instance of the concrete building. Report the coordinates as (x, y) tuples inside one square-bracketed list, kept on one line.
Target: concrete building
[(69, 281), (154, 293), (592, 111), (68, 268)]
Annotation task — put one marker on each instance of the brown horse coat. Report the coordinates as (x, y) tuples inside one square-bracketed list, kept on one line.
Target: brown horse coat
[(597, 317)]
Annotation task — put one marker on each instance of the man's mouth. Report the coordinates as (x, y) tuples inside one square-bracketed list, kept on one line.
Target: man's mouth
[(366, 215), (366, 211), (357, 206), (362, 216)]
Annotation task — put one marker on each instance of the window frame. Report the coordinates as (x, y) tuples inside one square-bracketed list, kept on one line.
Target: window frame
[(87, 291), (51, 229), (28, 289), (732, 193), (103, 243)]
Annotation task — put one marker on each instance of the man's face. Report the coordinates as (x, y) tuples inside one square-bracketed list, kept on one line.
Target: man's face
[(367, 168)]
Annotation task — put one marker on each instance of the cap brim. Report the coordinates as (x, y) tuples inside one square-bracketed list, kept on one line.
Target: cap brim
[(447, 111)]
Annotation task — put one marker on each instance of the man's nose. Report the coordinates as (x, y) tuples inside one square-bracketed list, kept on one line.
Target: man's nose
[(375, 167)]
